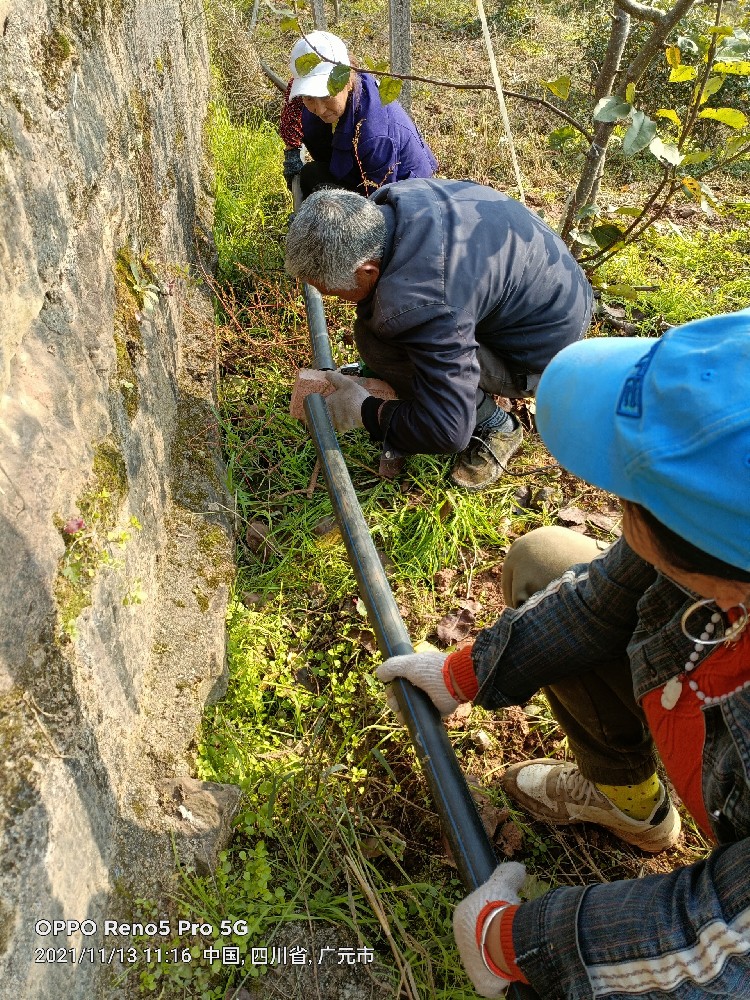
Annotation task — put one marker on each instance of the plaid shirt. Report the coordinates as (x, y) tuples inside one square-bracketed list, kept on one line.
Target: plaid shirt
[(684, 934)]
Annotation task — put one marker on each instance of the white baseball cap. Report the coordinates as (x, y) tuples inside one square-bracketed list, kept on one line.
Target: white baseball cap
[(331, 51)]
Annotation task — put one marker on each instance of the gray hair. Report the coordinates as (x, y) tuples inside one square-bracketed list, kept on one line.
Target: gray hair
[(332, 234)]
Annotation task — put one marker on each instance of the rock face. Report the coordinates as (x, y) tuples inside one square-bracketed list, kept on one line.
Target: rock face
[(115, 539)]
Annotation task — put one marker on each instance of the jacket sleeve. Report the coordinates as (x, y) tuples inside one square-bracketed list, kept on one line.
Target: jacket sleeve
[(579, 621), (440, 417), (594, 941)]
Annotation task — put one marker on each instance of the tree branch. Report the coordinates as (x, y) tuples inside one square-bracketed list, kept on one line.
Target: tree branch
[(723, 163), (655, 41), (613, 56), (539, 101), (641, 11)]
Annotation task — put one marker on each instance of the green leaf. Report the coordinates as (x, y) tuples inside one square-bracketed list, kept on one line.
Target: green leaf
[(559, 87), (585, 239), (665, 151), (713, 85), (305, 63), (734, 144), (697, 156), (606, 235), (560, 136), (389, 89), (735, 48), (587, 212), (639, 135), (291, 24), (338, 78), (671, 115), (681, 73), (629, 210), (722, 31), (739, 68), (630, 93), (727, 116), (611, 109), (685, 44)]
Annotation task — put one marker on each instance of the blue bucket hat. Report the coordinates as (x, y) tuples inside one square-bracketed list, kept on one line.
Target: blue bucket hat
[(661, 422)]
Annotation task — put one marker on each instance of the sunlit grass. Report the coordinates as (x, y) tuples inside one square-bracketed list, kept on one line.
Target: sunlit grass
[(696, 273)]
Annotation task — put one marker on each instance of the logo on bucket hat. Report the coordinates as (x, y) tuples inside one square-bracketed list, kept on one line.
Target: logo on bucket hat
[(631, 397)]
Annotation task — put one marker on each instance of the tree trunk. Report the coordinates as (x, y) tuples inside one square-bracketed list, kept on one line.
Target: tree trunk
[(588, 185), (399, 14)]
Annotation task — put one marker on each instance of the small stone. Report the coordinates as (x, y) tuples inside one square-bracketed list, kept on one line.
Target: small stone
[(256, 535), (482, 740)]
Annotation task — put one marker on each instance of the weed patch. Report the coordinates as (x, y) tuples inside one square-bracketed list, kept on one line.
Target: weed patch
[(695, 273)]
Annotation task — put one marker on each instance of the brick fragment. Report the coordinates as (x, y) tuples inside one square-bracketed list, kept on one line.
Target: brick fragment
[(309, 380)]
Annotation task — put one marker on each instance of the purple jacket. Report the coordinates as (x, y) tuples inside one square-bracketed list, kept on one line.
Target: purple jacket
[(388, 145)]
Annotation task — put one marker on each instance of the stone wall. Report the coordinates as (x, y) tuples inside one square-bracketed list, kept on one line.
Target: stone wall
[(115, 528)]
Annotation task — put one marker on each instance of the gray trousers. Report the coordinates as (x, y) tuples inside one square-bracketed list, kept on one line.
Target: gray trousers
[(605, 727)]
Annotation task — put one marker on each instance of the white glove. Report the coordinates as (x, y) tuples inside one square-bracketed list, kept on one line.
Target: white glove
[(502, 885), (425, 671), (345, 404)]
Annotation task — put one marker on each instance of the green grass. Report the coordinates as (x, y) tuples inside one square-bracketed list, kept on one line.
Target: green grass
[(252, 201), (697, 273)]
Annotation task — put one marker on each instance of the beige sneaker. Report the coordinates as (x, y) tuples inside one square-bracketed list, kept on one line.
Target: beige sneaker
[(486, 458), (559, 794)]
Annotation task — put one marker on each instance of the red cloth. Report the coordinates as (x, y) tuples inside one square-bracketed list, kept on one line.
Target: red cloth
[(290, 126), (680, 733), (506, 944)]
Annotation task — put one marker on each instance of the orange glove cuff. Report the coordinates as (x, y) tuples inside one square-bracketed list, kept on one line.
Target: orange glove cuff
[(458, 673), (506, 942)]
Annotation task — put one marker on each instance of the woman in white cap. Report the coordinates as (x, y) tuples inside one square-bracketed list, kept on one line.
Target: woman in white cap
[(643, 650), (355, 141)]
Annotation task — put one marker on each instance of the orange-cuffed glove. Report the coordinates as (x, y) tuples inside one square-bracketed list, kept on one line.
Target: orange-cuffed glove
[(489, 911)]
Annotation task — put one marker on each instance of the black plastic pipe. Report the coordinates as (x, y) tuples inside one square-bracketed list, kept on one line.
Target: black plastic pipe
[(316, 317), (316, 320), (471, 848)]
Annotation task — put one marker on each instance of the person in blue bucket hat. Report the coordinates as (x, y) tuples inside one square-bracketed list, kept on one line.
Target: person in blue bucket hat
[(643, 652)]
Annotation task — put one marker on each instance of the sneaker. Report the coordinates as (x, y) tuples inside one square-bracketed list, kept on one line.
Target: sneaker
[(486, 458), (559, 794)]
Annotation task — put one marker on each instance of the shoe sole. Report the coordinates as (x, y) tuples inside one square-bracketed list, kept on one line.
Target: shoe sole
[(473, 487)]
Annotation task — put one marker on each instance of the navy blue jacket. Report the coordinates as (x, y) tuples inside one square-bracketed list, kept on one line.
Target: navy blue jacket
[(388, 144), (465, 265)]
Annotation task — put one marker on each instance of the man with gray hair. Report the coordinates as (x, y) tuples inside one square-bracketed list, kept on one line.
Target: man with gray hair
[(462, 293)]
